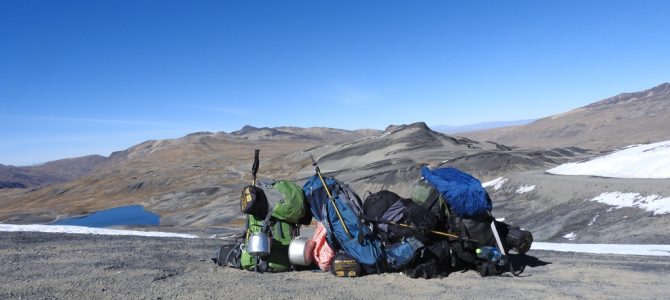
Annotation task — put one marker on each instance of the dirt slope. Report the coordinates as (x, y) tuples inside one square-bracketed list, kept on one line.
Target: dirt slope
[(622, 120)]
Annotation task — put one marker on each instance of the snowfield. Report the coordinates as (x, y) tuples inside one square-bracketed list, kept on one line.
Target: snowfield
[(89, 230), (626, 249), (653, 203), (651, 161), (637, 161), (652, 250)]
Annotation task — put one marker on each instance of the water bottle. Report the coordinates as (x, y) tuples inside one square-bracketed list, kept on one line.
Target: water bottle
[(491, 254)]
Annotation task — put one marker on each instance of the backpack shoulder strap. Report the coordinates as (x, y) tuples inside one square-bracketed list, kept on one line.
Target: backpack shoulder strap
[(266, 222), (247, 230)]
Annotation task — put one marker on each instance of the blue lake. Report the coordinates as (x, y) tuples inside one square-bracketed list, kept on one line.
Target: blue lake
[(124, 215)]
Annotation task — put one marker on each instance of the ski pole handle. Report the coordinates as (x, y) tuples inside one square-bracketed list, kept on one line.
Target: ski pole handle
[(254, 167)]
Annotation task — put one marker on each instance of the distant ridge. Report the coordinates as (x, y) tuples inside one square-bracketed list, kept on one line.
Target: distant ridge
[(448, 129), (321, 134), (49, 173), (625, 119)]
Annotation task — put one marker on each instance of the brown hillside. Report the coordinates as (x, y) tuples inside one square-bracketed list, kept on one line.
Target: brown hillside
[(195, 180), (625, 119)]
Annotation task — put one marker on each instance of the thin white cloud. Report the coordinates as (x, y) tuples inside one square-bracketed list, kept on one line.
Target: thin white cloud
[(89, 120), (106, 136), (350, 95), (228, 110)]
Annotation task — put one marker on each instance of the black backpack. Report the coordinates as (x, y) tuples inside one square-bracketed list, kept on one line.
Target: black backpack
[(475, 231), (435, 260), (479, 233), (396, 218), (229, 255)]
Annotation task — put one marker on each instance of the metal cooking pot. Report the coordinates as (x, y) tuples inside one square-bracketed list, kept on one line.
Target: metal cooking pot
[(258, 244), (300, 251)]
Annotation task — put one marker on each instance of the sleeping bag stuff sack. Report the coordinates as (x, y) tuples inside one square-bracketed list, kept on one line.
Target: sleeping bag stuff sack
[(342, 218), (464, 193)]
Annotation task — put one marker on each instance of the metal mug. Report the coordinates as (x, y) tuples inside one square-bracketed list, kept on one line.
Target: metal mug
[(258, 244)]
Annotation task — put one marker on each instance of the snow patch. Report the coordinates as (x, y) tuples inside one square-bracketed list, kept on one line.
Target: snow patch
[(570, 236), (636, 161), (525, 189), (495, 183), (89, 230), (652, 203), (593, 221), (652, 250)]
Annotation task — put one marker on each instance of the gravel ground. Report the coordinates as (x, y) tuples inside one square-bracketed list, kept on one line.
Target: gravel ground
[(44, 265)]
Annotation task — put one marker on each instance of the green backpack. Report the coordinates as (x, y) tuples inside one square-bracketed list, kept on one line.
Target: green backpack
[(287, 202), (282, 233), (287, 198)]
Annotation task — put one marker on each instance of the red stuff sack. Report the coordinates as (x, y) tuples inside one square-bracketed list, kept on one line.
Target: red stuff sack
[(323, 254)]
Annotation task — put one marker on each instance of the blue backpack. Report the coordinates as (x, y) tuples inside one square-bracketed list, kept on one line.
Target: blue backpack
[(462, 192), (342, 218)]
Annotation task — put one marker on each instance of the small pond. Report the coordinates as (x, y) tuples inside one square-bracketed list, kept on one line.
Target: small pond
[(124, 215)]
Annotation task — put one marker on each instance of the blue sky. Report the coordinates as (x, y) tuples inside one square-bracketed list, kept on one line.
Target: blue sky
[(92, 77)]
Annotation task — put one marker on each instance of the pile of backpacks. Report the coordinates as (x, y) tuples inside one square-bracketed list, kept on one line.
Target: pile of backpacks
[(445, 226)]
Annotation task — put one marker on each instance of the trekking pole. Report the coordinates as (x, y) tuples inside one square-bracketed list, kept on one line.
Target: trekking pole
[(254, 167), (435, 232), (330, 196), (254, 170)]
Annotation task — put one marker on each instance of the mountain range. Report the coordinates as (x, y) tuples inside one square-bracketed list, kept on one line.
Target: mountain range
[(195, 180), (450, 129)]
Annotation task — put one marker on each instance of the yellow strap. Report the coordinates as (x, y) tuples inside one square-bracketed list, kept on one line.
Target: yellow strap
[(337, 211)]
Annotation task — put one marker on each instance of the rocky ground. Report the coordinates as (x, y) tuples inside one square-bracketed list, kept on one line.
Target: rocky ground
[(558, 205), (40, 265)]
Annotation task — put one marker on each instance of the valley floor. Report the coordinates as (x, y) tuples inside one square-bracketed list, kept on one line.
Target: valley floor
[(49, 265)]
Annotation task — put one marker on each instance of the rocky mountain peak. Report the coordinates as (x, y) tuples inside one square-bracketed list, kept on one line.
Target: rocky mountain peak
[(418, 125), (246, 129)]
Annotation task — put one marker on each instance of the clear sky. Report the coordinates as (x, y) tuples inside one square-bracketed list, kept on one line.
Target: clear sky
[(92, 77)]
